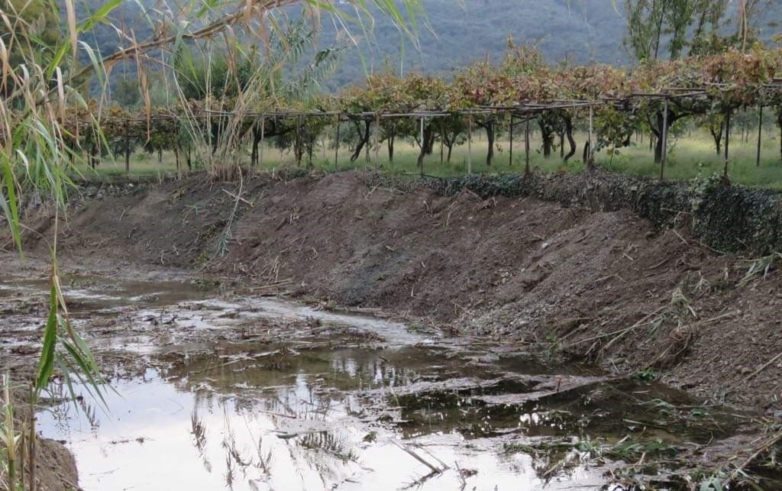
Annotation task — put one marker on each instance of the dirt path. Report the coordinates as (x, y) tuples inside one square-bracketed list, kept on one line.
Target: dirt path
[(572, 281)]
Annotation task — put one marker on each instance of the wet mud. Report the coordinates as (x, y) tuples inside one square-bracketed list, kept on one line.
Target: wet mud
[(217, 387)]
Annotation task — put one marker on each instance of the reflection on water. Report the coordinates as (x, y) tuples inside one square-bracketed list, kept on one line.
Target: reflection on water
[(218, 391), (161, 435)]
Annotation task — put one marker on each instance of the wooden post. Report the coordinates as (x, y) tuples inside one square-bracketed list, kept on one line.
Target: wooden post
[(664, 136), (727, 141), (510, 143), (263, 134), (469, 145), (127, 149), (526, 147), (760, 136), (336, 145)]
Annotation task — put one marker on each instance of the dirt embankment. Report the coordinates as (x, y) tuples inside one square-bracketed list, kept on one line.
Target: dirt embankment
[(565, 274)]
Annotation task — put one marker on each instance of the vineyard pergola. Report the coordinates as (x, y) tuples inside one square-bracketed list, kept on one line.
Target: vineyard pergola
[(138, 128), (610, 103)]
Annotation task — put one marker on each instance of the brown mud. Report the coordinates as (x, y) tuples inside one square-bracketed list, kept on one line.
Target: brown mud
[(244, 388), (514, 268), (563, 279)]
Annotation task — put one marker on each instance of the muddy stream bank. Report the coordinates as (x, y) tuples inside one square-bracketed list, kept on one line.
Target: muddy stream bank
[(534, 320), (217, 387)]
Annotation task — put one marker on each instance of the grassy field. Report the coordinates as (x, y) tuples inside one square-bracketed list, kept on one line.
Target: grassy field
[(689, 157)]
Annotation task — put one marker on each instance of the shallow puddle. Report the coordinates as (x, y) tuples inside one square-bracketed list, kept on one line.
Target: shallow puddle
[(213, 390)]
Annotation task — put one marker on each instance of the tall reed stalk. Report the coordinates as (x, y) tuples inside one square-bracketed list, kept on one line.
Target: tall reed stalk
[(54, 89)]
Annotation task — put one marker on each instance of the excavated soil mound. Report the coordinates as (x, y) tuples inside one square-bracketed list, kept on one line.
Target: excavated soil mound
[(567, 276)]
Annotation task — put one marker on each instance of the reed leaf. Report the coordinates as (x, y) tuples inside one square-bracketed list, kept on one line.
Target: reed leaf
[(48, 350)]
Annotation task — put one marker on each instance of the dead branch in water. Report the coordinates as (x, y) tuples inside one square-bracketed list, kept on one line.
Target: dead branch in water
[(435, 470)]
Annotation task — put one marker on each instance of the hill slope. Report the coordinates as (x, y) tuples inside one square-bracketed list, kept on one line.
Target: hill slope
[(453, 33)]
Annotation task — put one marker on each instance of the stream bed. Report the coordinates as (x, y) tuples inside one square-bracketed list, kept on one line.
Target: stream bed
[(216, 388)]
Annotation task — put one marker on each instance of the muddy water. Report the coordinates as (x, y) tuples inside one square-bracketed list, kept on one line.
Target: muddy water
[(217, 389)]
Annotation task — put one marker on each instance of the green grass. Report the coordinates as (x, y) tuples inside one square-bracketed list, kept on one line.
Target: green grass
[(696, 156), (689, 157)]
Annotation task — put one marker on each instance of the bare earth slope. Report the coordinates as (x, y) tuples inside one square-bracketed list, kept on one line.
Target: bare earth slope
[(569, 281)]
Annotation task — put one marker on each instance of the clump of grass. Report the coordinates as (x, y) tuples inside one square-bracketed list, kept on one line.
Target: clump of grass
[(9, 442), (646, 375), (760, 267)]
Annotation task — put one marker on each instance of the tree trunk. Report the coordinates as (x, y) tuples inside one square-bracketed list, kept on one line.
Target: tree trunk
[(216, 131), (442, 145), (562, 144), (658, 151), (657, 129), (363, 139), (390, 143), (716, 134), (127, 150), (298, 147), (93, 160), (570, 139), (585, 156), (779, 123), (548, 139), (427, 145), (258, 134), (489, 126), (254, 156)]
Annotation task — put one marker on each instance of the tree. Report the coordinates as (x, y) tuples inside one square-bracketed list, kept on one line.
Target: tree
[(690, 27), (683, 23), (452, 132), (715, 123)]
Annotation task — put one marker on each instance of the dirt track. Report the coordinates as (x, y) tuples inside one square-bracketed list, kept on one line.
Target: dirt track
[(580, 283)]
